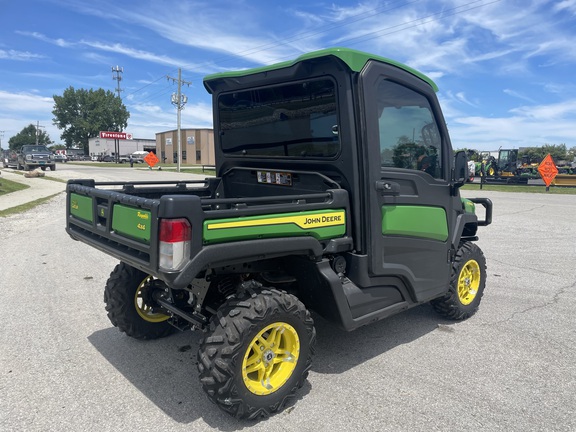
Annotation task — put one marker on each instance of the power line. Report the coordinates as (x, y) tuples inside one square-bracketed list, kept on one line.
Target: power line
[(419, 21), (353, 19), (147, 85), (307, 34), (361, 16)]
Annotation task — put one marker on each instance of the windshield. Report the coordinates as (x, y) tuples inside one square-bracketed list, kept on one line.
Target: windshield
[(297, 120), (35, 149)]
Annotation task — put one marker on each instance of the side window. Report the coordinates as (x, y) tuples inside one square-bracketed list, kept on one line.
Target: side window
[(409, 136)]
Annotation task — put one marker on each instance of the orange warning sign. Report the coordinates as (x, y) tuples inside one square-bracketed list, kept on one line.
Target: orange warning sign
[(547, 170), (151, 159)]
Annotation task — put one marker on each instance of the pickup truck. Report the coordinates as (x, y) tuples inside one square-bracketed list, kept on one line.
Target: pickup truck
[(31, 156), (336, 191)]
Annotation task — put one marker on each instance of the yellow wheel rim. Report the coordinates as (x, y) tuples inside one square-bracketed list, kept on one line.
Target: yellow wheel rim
[(469, 282), (271, 358), (143, 309)]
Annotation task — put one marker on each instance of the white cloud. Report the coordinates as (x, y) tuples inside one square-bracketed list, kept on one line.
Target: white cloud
[(36, 35), (25, 102), (554, 112), (517, 95), (19, 55), (526, 126), (565, 5)]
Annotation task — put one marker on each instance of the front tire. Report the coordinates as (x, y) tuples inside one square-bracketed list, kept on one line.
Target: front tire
[(257, 354), (130, 306), (466, 285)]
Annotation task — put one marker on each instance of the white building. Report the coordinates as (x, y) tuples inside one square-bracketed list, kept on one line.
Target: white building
[(106, 146)]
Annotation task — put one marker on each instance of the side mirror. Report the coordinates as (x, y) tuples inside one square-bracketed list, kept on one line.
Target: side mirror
[(460, 173)]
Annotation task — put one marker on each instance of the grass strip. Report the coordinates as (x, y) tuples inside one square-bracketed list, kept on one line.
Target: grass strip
[(25, 207), (555, 190), (8, 186)]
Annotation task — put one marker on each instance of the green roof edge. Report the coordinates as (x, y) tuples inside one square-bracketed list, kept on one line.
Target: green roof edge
[(355, 60)]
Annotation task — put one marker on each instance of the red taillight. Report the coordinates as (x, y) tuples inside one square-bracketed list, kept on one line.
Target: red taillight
[(175, 239), (175, 230)]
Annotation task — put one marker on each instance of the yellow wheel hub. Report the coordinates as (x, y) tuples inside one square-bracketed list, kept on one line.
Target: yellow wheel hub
[(469, 282), (271, 358), (143, 309)]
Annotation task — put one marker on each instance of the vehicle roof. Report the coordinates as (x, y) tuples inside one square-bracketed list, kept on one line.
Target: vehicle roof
[(355, 60)]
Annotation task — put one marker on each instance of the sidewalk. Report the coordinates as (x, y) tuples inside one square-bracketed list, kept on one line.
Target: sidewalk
[(38, 188)]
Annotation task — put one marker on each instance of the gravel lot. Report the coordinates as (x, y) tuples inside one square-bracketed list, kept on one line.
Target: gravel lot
[(511, 367)]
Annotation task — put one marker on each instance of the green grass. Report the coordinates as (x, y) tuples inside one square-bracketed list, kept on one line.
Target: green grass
[(521, 188), (25, 207), (7, 186)]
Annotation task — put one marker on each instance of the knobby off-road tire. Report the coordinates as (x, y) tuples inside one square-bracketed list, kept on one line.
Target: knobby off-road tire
[(466, 285), (257, 353), (129, 304)]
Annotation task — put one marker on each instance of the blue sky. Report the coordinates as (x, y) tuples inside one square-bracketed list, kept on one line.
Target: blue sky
[(505, 68)]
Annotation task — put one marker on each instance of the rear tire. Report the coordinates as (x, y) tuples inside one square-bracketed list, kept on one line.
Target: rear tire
[(466, 285), (130, 307), (257, 354)]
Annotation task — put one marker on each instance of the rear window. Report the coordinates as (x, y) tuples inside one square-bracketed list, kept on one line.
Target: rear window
[(296, 120)]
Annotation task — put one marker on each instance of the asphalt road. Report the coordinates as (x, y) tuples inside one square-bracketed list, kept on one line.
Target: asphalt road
[(511, 367)]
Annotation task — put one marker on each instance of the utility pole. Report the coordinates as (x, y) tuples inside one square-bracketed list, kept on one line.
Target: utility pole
[(118, 70), (179, 100), (1, 136), (38, 131)]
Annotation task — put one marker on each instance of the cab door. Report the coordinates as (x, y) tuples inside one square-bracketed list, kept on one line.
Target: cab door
[(409, 199)]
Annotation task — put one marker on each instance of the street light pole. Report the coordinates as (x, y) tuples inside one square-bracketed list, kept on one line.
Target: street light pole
[(179, 100)]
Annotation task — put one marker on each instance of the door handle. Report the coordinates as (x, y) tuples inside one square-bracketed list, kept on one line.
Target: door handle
[(387, 188)]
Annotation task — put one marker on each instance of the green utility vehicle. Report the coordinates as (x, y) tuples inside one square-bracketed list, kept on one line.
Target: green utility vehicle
[(336, 191)]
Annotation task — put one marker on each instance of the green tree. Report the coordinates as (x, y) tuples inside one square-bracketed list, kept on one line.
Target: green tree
[(28, 136), (536, 154), (82, 114)]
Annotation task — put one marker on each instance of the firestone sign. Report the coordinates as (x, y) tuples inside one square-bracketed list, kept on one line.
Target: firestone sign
[(115, 135)]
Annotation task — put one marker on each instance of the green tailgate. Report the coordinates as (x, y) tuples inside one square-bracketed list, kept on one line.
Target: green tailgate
[(132, 222), (320, 224)]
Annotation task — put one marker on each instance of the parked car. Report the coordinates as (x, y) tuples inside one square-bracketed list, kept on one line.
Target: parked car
[(60, 158), (106, 158), (10, 159)]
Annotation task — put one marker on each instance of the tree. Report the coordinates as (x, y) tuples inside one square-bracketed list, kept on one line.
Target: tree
[(536, 154), (82, 114), (28, 136)]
